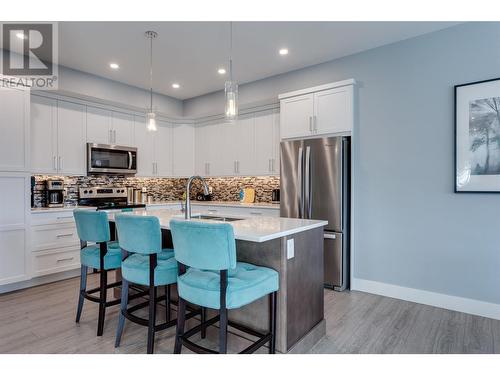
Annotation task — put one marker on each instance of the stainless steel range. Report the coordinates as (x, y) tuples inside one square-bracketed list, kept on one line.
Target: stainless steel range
[(106, 198)]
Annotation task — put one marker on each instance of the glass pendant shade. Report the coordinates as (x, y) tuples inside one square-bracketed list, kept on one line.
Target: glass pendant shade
[(151, 122), (231, 91)]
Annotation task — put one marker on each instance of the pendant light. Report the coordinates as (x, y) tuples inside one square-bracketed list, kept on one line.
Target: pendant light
[(231, 87), (151, 116)]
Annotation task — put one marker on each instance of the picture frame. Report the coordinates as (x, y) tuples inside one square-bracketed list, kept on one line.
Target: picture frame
[(477, 137)]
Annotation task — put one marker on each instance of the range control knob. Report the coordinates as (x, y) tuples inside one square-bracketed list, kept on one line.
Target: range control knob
[(85, 192), (90, 191)]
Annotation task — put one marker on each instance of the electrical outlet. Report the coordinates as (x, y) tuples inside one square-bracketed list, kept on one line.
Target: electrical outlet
[(290, 248)]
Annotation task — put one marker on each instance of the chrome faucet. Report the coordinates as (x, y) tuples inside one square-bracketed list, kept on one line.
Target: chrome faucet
[(187, 212)]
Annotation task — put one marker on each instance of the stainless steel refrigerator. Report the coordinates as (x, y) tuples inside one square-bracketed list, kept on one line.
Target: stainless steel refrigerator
[(315, 184)]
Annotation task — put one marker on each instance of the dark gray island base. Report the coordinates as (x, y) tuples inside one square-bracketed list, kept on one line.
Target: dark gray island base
[(300, 320)]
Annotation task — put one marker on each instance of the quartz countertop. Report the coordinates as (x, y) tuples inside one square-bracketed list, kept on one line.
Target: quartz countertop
[(275, 206), (37, 210), (253, 229)]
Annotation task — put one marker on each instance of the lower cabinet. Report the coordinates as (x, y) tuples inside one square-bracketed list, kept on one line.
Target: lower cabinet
[(57, 260)]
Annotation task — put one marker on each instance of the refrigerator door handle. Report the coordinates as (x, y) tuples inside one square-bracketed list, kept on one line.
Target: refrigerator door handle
[(308, 180), (300, 184)]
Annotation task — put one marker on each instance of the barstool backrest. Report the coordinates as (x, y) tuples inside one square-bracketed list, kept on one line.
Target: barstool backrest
[(208, 246), (139, 234), (92, 226)]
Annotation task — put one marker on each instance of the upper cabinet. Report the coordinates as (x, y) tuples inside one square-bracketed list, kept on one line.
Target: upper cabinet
[(14, 127), (109, 127), (321, 110), (58, 137), (267, 144), (182, 150)]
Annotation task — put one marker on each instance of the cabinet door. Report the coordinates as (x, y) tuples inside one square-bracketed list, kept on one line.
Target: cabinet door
[(215, 144), (13, 227), (144, 144), (245, 152), (71, 148), (163, 149), (333, 110), (122, 129), (14, 129), (264, 144), (182, 150), (43, 135), (275, 165), (201, 149), (224, 154), (296, 116), (99, 125)]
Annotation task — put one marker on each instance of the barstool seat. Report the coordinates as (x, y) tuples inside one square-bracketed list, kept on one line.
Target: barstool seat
[(90, 257), (245, 284), (136, 269)]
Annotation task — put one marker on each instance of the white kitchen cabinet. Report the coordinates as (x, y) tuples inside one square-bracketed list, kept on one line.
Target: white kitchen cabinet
[(14, 224), (154, 149), (145, 152), (182, 150), (320, 110), (333, 110), (109, 127), (14, 129), (122, 127), (243, 146), (210, 150), (98, 125), (162, 147), (296, 116), (71, 149), (44, 135), (58, 137), (267, 143)]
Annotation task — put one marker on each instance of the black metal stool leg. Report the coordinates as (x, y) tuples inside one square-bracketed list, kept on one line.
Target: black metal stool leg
[(203, 320), (272, 322), (223, 331), (167, 303), (83, 287), (181, 320), (152, 319), (123, 309), (102, 301)]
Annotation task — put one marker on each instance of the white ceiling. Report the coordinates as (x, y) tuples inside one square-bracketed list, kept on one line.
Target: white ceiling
[(189, 53)]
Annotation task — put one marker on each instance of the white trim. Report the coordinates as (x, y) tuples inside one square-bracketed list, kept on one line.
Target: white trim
[(327, 86), (445, 301)]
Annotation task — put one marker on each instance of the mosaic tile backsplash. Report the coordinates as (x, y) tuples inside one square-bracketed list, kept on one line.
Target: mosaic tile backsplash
[(161, 189)]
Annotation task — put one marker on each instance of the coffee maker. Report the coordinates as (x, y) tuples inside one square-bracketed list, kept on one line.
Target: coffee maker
[(54, 193)]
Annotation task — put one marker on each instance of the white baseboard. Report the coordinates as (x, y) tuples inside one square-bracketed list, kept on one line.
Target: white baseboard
[(445, 301)]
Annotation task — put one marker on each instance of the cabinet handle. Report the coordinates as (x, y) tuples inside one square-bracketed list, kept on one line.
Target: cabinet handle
[(315, 123), (65, 259), (237, 166), (255, 213), (269, 165), (54, 163), (153, 167), (211, 210), (272, 163), (64, 235), (62, 217), (60, 163), (310, 123), (234, 166), (114, 136)]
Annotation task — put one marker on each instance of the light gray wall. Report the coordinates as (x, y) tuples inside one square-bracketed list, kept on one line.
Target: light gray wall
[(92, 86), (410, 228)]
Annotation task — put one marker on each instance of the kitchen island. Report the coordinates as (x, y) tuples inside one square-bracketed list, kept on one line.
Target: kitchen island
[(294, 248)]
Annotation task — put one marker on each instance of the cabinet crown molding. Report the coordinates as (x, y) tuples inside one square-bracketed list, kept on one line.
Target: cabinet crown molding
[(327, 86)]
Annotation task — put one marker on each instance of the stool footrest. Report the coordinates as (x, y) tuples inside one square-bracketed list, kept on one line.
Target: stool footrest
[(197, 348), (109, 286)]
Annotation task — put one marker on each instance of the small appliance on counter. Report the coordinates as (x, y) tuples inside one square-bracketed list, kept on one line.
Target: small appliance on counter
[(247, 195), (33, 183), (108, 198), (275, 196), (54, 193)]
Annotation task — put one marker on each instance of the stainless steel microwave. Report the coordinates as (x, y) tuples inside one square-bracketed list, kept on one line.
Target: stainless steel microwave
[(106, 159)]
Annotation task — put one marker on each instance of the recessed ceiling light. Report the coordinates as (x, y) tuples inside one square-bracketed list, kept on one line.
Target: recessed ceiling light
[(284, 51), (221, 71), (20, 35), (175, 85), (114, 66)]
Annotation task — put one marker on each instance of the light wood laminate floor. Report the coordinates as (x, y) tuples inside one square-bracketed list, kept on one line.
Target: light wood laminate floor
[(41, 320)]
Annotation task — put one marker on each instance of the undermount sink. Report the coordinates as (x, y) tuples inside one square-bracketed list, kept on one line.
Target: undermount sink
[(215, 218)]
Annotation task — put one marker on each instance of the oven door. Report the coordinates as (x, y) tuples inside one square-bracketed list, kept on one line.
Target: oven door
[(111, 159)]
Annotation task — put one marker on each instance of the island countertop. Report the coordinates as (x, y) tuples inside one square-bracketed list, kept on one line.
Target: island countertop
[(253, 229)]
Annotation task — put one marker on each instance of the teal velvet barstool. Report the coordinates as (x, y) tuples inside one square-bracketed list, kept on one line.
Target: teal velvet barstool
[(145, 263), (105, 255), (210, 276)]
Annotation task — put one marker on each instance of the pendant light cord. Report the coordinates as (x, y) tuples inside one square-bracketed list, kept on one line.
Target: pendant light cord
[(231, 51), (151, 73)]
